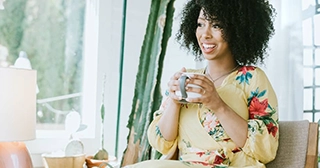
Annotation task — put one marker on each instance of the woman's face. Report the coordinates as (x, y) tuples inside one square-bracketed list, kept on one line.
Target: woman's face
[(210, 40)]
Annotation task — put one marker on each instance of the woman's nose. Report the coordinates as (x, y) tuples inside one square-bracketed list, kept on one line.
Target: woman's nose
[(207, 33)]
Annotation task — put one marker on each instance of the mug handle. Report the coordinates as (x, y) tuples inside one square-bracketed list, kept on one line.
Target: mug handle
[(182, 81)]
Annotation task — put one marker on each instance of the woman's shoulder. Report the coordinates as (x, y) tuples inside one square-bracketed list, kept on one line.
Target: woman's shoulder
[(253, 70), (250, 75)]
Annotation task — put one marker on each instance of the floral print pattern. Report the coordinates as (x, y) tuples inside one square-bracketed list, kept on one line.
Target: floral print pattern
[(245, 74), (262, 110), (211, 158), (158, 132), (262, 117), (209, 122), (258, 108)]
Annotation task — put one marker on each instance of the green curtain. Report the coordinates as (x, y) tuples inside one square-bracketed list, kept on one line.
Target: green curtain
[(147, 93)]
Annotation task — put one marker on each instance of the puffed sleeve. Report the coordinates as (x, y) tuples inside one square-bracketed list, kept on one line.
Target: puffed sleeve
[(155, 137), (263, 127)]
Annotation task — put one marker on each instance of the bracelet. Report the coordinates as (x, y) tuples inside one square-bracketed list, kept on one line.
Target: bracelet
[(167, 93)]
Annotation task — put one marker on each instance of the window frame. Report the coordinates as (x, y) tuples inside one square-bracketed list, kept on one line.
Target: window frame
[(53, 140), (309, 13)]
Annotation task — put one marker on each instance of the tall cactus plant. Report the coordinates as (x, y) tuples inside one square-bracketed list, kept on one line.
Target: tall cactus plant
[(147, 94)]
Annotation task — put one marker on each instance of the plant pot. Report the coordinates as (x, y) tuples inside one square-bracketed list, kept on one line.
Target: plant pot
[(54, 161)]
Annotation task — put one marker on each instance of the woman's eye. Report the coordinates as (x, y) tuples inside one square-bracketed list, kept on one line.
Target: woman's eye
[(216, 26), (199, 24)]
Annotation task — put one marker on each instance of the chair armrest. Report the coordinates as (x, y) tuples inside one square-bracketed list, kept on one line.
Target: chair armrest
[(312, 151)]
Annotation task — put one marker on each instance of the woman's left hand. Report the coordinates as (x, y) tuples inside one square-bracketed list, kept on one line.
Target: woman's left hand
[(209, 95)]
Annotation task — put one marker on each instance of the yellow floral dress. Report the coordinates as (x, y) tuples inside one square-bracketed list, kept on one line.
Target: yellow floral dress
[(202, 141)]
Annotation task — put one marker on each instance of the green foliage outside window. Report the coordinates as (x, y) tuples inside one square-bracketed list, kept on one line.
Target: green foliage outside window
[(51, 33)]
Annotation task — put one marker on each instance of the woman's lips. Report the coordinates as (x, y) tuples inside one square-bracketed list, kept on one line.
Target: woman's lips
[(207, 48)]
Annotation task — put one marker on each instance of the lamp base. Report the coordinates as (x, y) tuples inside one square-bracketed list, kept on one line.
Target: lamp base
[(14, 155)]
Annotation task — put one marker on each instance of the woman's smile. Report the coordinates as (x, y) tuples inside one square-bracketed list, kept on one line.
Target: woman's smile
[(208, 48)]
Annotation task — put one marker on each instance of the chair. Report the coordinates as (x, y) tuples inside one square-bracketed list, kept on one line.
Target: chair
[(298, 145)]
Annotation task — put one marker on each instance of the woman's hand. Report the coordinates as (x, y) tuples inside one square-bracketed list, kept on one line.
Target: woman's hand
[(210, 97), (174, 85)]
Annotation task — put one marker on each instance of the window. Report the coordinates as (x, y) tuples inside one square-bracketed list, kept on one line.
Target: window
[(53, 35), (311, 59), (50, 34)]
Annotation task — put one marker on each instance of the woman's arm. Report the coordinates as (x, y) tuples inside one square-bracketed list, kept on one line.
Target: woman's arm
[(263, 125), (168, 124), (235, 126), (163, 131)]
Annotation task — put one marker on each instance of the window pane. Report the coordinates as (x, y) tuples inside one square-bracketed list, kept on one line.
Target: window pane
[(317, 99), (307, 116), (308, 76), (307, 57), (317, 117), (317, 57), (51, 34), (317, 29), (307, 3), (317, 76), (307, 99), (307, 32)]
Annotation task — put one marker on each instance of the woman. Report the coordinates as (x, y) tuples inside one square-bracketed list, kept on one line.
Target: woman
[(236, 122)]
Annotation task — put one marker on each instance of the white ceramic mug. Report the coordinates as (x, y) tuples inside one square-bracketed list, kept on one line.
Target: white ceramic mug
[(183, 93)]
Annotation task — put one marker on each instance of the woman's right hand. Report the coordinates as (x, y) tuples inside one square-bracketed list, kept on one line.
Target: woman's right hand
[(174, 85)]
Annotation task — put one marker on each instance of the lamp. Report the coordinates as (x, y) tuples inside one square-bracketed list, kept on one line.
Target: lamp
[(17, 116)]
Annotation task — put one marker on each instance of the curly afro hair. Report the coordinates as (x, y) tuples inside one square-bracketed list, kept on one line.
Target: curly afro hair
[(247, 26)]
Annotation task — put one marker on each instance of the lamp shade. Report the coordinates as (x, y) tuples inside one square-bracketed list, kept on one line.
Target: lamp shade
[(17, 104)]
